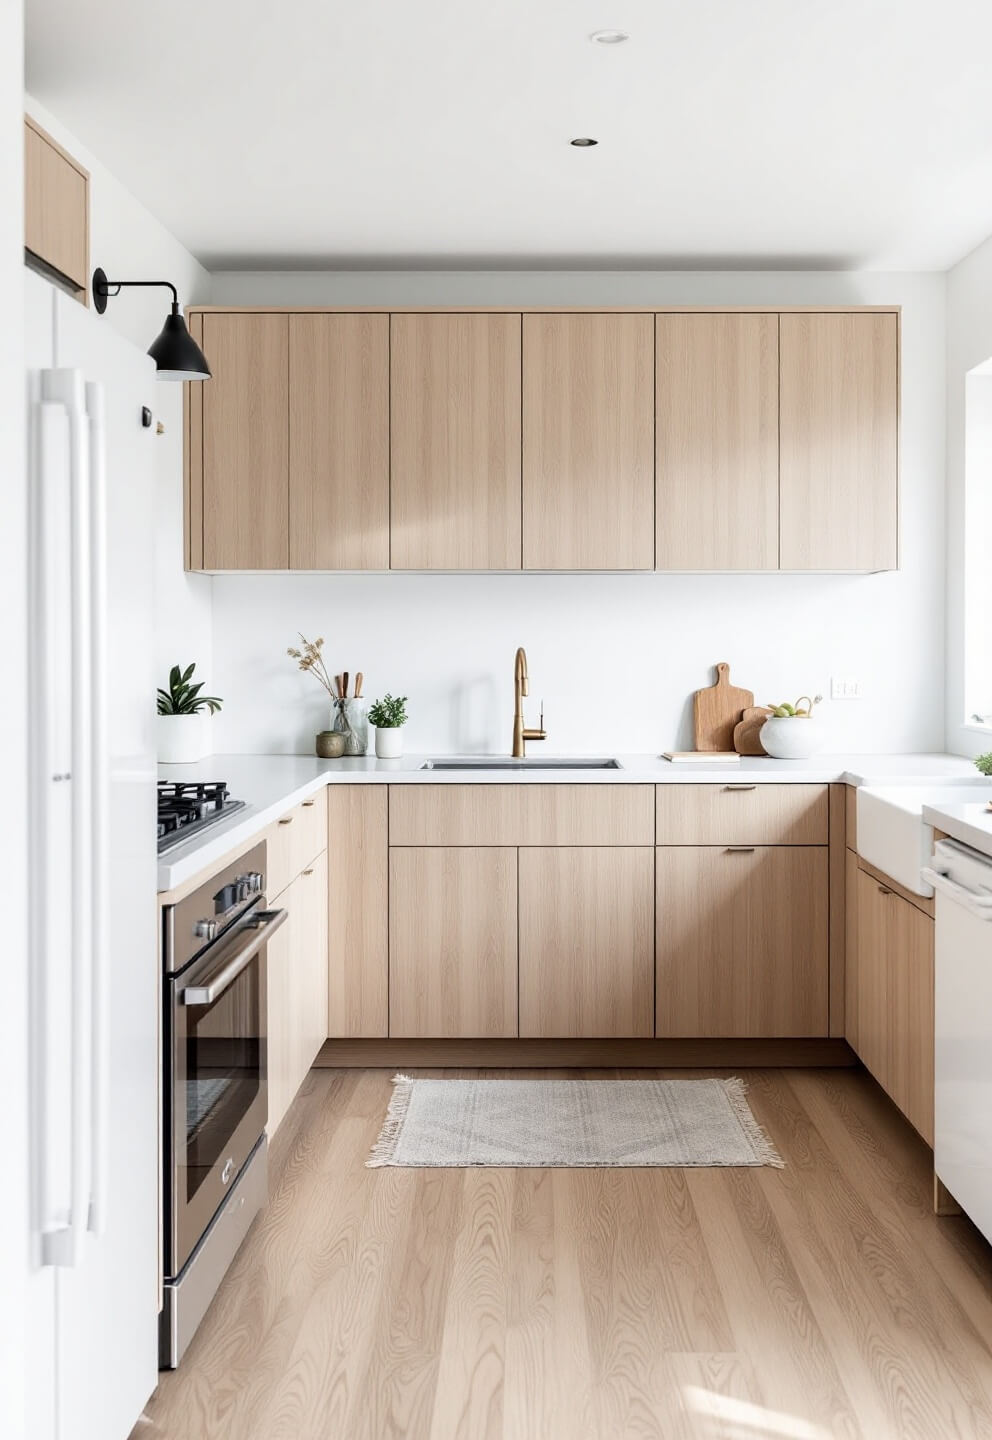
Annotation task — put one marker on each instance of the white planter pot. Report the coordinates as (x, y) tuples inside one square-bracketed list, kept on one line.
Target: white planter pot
[(183, 738), (790, 737), (389, 743)]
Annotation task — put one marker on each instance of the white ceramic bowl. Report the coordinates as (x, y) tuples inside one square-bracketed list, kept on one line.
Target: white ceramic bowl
[(791, 737)]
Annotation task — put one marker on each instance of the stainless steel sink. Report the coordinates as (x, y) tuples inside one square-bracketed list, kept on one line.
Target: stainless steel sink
[(506, 762)]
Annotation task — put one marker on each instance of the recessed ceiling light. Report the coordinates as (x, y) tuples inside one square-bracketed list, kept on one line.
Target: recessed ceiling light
[(609, 37), (583, 141)]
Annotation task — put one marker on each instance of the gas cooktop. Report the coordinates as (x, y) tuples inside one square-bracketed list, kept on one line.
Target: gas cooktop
[(186, 808)]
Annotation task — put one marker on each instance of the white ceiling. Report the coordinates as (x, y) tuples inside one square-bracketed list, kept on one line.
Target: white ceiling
[(733, 133)]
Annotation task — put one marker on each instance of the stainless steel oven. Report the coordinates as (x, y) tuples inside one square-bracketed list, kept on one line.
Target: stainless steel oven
[(215, 1054)]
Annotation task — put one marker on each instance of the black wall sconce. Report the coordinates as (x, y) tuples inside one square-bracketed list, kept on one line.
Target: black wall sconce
[(176, 354)]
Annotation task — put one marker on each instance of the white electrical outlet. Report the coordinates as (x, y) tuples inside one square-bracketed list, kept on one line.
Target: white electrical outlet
[(845, 687)]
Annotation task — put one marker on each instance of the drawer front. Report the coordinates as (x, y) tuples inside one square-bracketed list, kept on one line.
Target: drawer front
[(739, 813), (521, 814), (294, 839)]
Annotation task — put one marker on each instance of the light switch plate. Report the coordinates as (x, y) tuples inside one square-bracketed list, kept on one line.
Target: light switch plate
[(845, 687)]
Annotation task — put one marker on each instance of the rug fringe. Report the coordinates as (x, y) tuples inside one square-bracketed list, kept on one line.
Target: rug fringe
[(385, 1147), (757, 1135)]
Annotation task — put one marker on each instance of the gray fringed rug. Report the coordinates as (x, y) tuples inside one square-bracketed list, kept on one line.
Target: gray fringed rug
[(564, 1124)]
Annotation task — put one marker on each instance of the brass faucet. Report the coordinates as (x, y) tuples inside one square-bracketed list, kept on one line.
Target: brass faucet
[(520, 732)]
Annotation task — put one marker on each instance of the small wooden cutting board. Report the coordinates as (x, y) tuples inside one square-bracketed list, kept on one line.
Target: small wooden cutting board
[(748, 729), (717, 709)]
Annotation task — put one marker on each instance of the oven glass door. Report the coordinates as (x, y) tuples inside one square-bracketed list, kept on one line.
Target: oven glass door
[(219, 1091)]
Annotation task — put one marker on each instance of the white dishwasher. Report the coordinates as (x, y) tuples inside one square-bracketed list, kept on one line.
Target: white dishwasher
[(962, 1155)]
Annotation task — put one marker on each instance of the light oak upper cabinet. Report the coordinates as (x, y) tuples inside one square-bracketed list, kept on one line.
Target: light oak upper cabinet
[(588, 442), (455, 442), (245, 439), (453, 942), (56, 207), (586, 941), (839, 441), (742, 941), (339, 442), (717, 442)]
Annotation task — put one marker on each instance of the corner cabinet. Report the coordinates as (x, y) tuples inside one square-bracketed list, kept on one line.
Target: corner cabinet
[(681, 440)]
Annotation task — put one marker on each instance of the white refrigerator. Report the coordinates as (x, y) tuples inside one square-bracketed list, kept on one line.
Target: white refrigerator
[(94, 976)]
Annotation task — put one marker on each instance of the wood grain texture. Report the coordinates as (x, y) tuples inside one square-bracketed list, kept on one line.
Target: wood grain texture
[(586, 941), (310, 961), (588, 442), (358, 911), (852, 816), (738, 813), (308, 833), (716, 424), (452, 942), (521, 814), (895, 999), (246, 443), (838, 908), (839, 425), (924, 903), (717, 710), (339, 442), (822, 1300), (56, 207), (851, 964), (193, 461), (281, 1040), (742, 941), (455, 442)]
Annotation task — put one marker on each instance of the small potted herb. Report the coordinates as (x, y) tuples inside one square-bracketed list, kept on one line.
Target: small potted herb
[(184, 719), (784, 737), (983, 763), (388, 715)]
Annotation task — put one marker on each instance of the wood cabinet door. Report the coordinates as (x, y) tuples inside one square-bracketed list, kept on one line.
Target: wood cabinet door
[(588, 442), (56, 207), (455, 442), (716, 422), (245, 437), (895, 1035), (281, 1048), (339, 442), (839, 423), (452, 942), (742, 941), (358, 912), (586, 942), (310, 965)]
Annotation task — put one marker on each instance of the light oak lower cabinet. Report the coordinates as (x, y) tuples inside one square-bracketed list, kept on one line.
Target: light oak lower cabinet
[(297, 987), (894, 998), (453, 942), (586, 942), (742, 941)]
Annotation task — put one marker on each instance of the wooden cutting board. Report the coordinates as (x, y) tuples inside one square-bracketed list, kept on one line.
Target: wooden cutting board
[(717, 709), (747, 730)]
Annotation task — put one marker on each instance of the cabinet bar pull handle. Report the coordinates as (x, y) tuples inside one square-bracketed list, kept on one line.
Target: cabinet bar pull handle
[(286, 820), (740, 787), (307, 804), (739, 850), (308, 872), (884, 890)]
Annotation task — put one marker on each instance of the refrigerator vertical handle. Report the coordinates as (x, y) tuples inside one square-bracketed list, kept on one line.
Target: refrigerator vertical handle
[(65, 1248), (50, 817), (99, 817)]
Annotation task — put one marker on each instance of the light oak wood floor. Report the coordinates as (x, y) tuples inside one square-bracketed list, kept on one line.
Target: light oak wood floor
[(817, 1301)]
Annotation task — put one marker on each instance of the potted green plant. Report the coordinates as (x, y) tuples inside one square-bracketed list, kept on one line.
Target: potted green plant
[(388, 715), (983, 763), (790, 732), (184, 719)]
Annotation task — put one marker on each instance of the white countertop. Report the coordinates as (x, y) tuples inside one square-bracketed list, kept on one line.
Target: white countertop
[(971, 823), (271, 784)]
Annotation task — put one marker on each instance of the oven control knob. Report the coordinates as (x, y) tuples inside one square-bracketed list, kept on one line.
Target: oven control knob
[(255, 881), (205, 929), (243, 887)]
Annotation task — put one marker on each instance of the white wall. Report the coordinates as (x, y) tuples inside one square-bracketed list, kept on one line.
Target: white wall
[(969, 345), (130, 244), (13, 737), (615, 656)]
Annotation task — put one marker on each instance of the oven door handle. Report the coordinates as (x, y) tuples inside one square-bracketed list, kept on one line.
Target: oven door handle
[(264, 924)]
